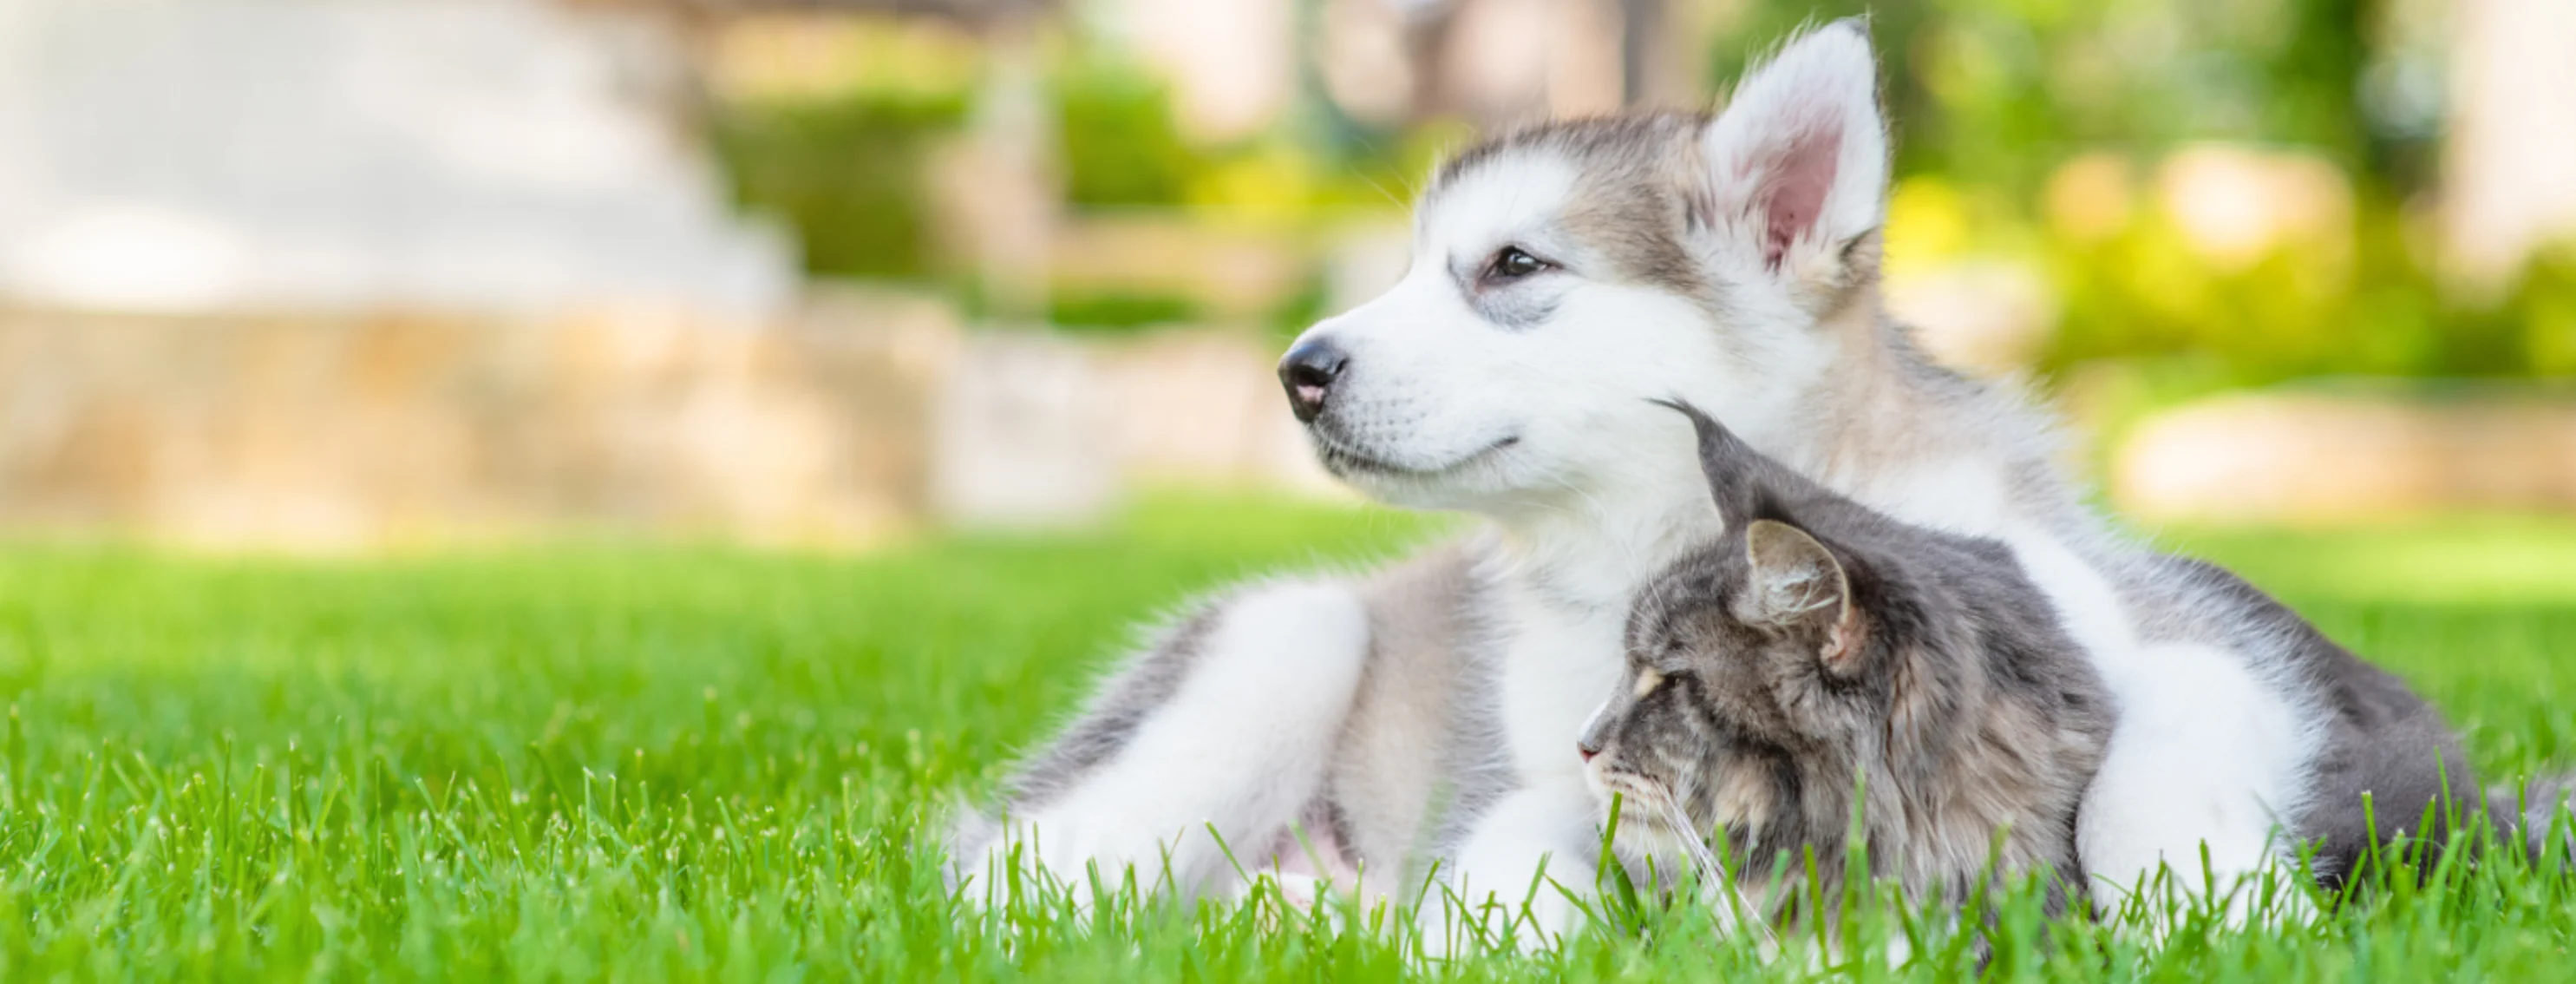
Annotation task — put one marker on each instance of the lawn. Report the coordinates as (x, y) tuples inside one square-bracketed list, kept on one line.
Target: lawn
[(675, 762)]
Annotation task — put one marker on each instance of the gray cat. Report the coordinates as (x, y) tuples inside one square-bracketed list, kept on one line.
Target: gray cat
[(1821, 653)]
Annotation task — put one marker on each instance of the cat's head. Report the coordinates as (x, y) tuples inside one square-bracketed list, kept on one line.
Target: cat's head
[(1747, 661)]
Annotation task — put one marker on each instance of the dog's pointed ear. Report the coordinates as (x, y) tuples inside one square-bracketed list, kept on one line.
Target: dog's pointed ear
[(1797, 583), (1731, 466), (1796, 166)]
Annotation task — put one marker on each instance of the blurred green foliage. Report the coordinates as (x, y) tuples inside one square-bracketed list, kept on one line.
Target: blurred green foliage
[(1092, 310), (1993, 101), (849, 168), (1998, 91), (1118, 309), (845, 173), (1118, 143), (2365, 298)]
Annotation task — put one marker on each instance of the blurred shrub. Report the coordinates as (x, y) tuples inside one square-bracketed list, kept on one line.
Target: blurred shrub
[(2001, 89), (2544, 305), (1116, 310), (845, 173), (2350, 292), (824, 122), (1119, 143), (831, 123), (2356, 295), (841, 156), (2114, 146)]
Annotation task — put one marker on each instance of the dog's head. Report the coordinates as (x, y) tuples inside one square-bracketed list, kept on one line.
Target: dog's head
[(1565, 275)]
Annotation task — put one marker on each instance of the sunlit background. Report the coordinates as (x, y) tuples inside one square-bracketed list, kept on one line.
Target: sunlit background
[(349, 273)]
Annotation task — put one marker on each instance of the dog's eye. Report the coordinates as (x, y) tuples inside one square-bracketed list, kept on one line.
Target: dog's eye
[(1512, 263)]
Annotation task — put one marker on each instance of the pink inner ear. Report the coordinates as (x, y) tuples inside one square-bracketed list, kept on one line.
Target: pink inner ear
[(1794, 185), (1843, 641)]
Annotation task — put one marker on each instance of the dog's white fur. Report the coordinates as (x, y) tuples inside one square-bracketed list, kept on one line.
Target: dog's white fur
[(1278, 673), (1548, 431)]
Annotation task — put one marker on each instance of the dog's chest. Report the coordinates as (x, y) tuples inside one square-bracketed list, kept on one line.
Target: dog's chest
[(1558, 664)]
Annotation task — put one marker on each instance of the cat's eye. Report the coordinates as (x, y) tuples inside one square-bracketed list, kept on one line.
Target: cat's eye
[(1647, 680), (1512, 263)]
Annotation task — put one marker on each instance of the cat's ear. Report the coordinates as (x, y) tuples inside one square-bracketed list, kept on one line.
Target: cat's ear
[(1795, 168), (1730, 465), (1797, 582)]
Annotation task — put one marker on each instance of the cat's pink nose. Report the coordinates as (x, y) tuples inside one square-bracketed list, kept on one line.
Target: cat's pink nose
[(1586, 751)]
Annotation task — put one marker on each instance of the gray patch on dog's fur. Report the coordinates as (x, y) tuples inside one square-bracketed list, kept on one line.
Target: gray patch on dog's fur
[(1103, 729), (2381, 740), (1400, 770), (1418, 749), (1476, 765), (1143, 685), (1632, 201), (1965, 719), (1516, 306), (1514, 313)]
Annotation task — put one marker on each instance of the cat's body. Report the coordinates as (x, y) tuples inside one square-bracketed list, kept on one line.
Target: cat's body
[(1822, 669)]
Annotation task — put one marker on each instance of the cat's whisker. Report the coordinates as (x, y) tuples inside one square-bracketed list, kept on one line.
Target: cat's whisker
[(1711, 873)]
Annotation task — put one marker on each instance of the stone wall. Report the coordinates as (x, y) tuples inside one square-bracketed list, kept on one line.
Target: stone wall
[(860, 416), (1037, 428), (332, 432), (2328, 456)]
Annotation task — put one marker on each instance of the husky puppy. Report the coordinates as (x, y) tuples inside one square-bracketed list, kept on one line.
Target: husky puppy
[(1821, 669), (1562, 277)]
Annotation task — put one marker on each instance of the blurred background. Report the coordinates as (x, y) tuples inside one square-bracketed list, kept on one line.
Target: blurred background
[(341, 274)]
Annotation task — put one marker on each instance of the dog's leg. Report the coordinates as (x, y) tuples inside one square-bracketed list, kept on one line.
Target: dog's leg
[(2204, 758), (1513, 871), (1223, 731)]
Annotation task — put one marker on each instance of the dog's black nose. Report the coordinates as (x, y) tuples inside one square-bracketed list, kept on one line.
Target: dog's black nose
[(1307, 373)]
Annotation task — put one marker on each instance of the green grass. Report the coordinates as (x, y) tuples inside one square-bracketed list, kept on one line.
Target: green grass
[(663, 762)]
